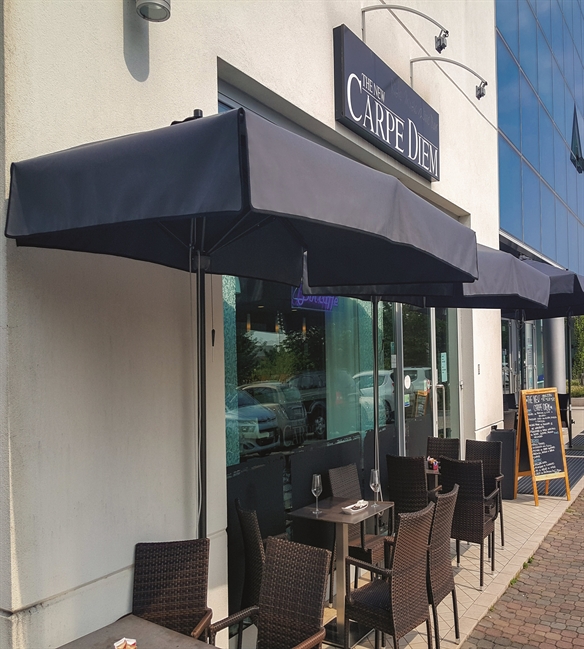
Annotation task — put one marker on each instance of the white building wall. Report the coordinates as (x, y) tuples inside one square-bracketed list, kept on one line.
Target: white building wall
[(96, 431)]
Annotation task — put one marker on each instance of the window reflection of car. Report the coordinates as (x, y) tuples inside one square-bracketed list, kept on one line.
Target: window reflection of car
[(312, 387), (364, 382), (420, 378), (257, 425), (286, 403)]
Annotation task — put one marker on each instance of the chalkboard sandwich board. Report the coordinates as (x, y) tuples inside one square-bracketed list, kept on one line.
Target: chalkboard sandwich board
[(540, 444)]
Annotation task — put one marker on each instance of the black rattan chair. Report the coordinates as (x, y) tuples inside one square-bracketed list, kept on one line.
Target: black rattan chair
[(345, 483), (490, 453), (397, 602), (290, 609), (437, 447), (474, 513), (255, 557), (407, 485), (440, 575), (170, 585)]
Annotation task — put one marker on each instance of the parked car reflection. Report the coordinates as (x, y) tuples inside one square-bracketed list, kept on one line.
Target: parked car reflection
[(257, 425), (286, 403)]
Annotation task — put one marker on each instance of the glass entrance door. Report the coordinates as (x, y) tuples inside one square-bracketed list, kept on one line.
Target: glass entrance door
[(446, 420), (417, 378)]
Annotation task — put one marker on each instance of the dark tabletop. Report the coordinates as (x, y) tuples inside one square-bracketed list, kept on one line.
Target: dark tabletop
[(332, 511), (146, 634)]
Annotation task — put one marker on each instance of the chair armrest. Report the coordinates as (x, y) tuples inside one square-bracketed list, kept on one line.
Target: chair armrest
[(313, 641), (349, 561), (228, 621), (499, 478), (388, 548), (491, 497), (203, 625)]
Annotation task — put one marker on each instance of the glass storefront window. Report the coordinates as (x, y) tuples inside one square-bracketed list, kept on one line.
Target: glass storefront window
[(299, 370)]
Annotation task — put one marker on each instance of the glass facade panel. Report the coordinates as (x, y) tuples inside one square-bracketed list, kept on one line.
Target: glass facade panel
[(529, 123), (574, 257), (548, 222), (528, 42), (508, 95), (510, 189), (546, 147), (508, 23), (560, 153), (543, 10), (544, 72), (531, 208), (562, 256), (557, 33), (550, 36), (559, 99)]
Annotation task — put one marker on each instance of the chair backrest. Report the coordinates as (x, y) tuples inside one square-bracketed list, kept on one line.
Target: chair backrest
[(345, 483), (170, 583), (468, 523), (490, 454), (292, 593), (254, 555), (437, 447), (408, 590), (440, 576), (407, 485)]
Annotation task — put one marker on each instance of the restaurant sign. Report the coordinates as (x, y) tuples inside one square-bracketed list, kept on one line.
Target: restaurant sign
[(374, 102)]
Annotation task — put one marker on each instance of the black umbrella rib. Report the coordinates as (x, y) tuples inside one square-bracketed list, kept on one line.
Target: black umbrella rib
[(224, 240), (173, 235)]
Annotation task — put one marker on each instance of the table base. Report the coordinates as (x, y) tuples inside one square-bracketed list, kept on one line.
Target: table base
[(357, 632)]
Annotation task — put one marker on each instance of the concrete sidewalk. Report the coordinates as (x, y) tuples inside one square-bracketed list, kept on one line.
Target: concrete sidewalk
[(543, 608), (526, 529)]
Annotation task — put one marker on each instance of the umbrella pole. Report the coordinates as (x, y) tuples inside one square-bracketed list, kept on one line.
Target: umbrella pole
[(569, 413), (375, 327), (202, 398)]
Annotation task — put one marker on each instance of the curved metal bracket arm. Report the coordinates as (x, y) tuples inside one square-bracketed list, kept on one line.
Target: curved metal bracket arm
[(480, 89), (440, 40)]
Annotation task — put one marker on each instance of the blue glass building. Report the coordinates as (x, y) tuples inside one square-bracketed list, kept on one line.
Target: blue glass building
[(540, 54)]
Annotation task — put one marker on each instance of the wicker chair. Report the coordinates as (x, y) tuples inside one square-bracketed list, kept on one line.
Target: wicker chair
[(407, 483), (170, 585), (474, 513), (440, 575), (490, 453), (366, 547), (398, 601), (290, 609), (443, 447), (254, 555)]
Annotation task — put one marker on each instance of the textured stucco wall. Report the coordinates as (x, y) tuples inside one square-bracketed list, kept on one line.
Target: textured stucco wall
[(97, 438)]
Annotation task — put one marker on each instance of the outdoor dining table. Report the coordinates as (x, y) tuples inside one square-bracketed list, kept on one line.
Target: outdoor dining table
[(331, 511), (147, 635)]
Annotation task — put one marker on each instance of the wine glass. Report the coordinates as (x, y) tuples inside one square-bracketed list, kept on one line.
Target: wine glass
[(316, 490), (375, 486)]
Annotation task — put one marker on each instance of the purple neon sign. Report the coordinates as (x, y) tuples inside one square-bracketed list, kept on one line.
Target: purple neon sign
[(313, 302)]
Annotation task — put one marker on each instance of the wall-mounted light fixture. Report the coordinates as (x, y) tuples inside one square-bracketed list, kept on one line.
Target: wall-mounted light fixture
[(439, 41), (480, 89), (156, 11)]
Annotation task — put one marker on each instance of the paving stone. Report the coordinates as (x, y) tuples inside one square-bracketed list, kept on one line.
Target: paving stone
[(542, 607)]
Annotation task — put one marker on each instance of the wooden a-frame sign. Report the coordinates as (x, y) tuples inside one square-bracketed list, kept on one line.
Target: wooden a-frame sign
[(540, 444)]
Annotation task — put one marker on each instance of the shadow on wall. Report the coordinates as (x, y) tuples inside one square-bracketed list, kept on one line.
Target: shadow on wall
[(136, 42)]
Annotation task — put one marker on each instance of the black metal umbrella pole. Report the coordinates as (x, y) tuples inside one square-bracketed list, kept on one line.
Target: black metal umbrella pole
[(244, 196)]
